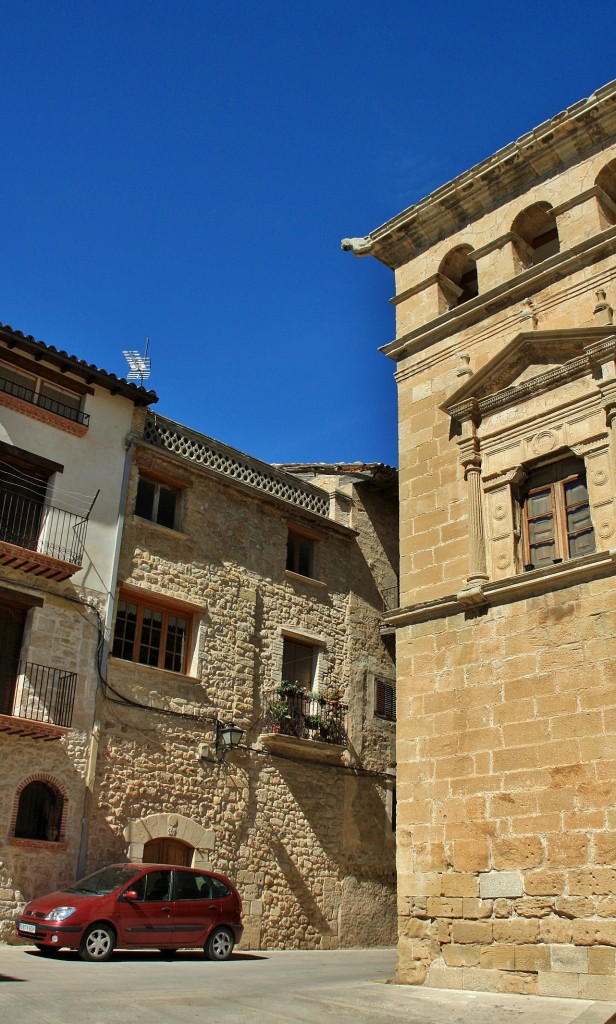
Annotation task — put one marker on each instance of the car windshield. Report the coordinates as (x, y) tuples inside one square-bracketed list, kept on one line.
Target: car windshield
[(104, 881)]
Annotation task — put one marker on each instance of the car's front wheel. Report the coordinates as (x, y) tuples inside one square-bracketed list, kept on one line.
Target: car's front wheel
[(98, 943), (219, 945)]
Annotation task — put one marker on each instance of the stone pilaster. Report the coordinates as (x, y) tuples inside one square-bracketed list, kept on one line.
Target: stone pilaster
[(470, 458)]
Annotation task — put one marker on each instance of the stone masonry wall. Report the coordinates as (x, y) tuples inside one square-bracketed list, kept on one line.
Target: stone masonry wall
[(506, 730), (312, 871), (57, 635), (506, 823), (309, 844)]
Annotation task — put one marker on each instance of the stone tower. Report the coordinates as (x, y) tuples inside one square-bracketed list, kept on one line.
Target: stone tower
[(506, 736)]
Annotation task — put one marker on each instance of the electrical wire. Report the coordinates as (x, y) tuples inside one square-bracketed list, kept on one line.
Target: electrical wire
[(350, 769), (124, 701)]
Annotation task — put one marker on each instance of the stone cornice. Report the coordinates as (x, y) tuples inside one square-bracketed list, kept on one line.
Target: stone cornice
[(554, 577), (186, 447), (516, 289), (584, 128), (582, 198), (483, 392)]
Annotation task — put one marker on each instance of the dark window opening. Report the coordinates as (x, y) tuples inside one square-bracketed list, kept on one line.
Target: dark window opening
[(536, 229), (12, 623), (606, 182), (300, 554), (460, 271), (157, 503), (39, 813), (298, 663), (23, 488)]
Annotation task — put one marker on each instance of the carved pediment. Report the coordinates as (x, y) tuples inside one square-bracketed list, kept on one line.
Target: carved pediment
[(534, 370), (534, 362)]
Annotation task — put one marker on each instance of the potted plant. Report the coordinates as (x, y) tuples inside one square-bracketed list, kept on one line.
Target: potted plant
[(316, 696), (315, 722), (278, 710), (288, 689), (333, 693)]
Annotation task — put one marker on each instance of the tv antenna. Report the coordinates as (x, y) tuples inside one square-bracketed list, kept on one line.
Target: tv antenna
[(140, 365)]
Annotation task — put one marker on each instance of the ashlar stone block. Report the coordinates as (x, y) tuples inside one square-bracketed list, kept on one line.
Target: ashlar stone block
[(569, 959), (495, 884)]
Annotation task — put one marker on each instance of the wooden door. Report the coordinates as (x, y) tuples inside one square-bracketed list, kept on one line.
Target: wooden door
[(168, 850)]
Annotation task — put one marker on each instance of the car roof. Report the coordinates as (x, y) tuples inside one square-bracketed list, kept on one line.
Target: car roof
[(168, 867)]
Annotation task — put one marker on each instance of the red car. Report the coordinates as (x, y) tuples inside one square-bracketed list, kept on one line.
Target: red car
[(137, 906)]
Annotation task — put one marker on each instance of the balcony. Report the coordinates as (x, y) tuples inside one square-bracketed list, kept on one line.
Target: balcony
[(36, 700), (25, 394), (39, 538), (305, 724)]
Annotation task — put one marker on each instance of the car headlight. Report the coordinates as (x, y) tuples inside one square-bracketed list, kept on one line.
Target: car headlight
[(60, 913)]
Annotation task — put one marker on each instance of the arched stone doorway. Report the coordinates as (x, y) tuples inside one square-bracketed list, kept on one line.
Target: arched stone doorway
[(166, 850), (177, 835)]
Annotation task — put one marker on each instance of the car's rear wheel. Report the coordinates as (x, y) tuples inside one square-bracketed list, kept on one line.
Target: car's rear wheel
[(48, 950), (219, 945), (98, 943)]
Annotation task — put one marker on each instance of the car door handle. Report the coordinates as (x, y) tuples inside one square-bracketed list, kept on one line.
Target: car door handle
[(166, 910)]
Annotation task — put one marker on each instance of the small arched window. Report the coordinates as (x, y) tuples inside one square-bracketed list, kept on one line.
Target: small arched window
[(536, 228), (460, 270), (39, 812), (606, 181)]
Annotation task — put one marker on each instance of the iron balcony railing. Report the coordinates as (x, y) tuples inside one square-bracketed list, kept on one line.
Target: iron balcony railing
[(30, 523), (306, 716), (37, 693), (43, 401)]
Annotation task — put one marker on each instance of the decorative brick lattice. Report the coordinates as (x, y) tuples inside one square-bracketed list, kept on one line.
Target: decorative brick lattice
[(231, 463)]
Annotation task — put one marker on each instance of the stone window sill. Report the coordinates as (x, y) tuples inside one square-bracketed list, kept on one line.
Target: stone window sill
[(578, 570), (38, 844), (298, 578), (302, 750), (160, 529), (574, 570), (154, 670)]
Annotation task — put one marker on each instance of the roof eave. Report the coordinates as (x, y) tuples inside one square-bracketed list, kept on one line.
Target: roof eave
[(536, 155), (66, 363)]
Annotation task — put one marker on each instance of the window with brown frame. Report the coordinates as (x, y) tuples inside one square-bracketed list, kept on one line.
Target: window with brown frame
[(151, 634), (557, 523), (385, 700)]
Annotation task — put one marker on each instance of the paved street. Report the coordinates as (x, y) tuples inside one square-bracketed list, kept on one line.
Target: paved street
[(308, 987)]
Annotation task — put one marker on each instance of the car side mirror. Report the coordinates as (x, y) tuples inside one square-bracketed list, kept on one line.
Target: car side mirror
[(131, 895)]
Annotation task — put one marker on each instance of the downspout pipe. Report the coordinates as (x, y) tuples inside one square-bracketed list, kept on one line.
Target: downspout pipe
[(101, 667)]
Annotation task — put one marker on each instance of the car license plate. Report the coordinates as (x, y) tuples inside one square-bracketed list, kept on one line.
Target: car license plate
[(23, 927)]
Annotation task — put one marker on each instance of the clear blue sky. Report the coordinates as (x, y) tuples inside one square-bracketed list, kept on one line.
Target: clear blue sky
[(186, 170)]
